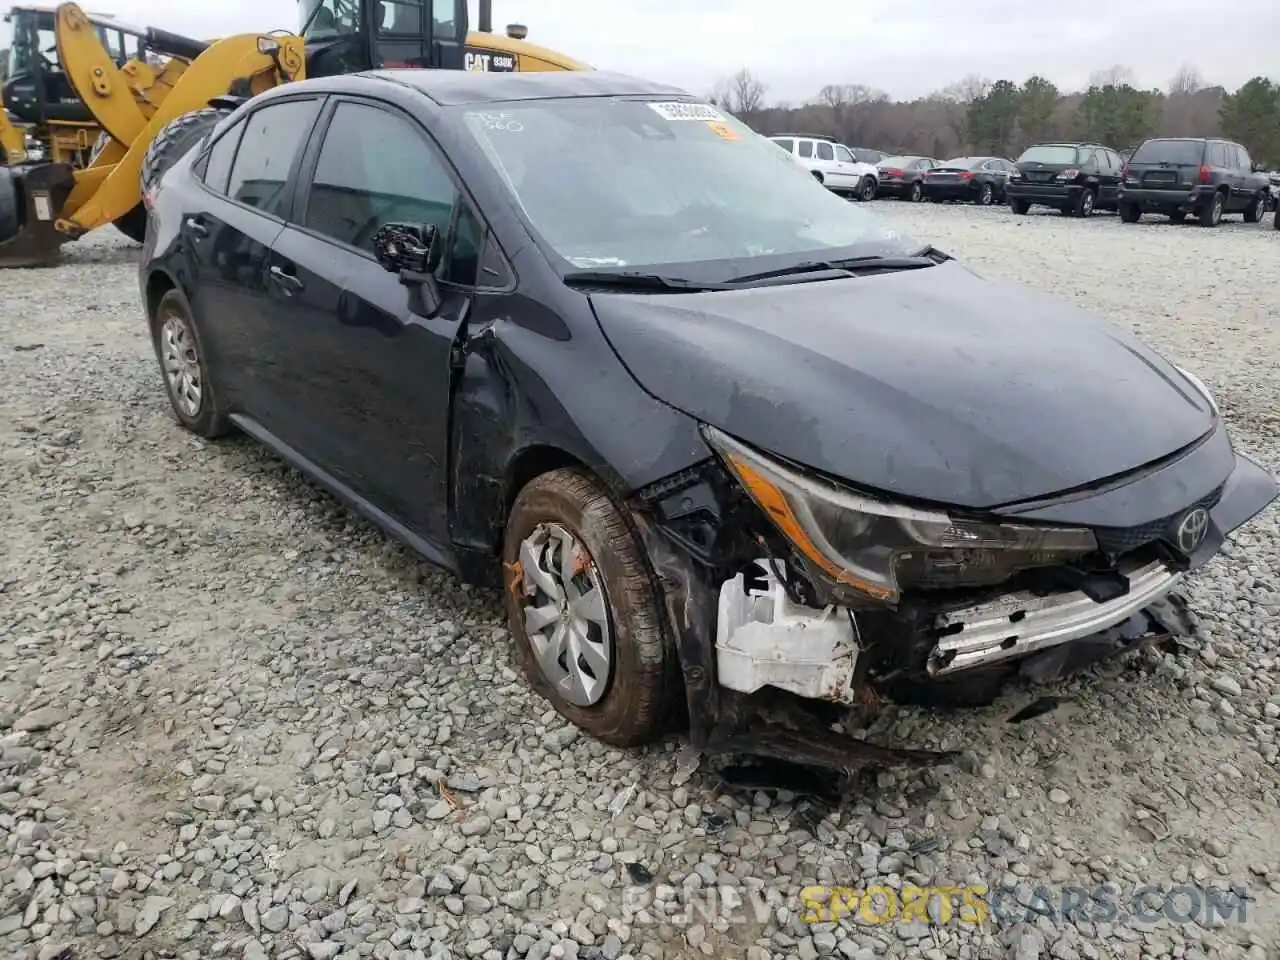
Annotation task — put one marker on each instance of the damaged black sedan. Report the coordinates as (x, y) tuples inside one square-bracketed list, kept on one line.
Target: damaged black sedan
[(723, 440)]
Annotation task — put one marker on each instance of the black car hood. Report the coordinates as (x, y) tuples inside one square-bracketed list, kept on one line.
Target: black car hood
[(933, 384)]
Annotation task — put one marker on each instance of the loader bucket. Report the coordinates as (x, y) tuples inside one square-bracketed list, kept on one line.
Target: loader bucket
[(30, 200)]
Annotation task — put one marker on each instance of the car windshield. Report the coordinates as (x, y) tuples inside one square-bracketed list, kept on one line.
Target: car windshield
[(1048, 154), (1169, 151), (618, 183)]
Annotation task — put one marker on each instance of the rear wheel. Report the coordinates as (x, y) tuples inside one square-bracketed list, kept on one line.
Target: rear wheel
[(586, 621), (1130, 212), (1211, 212), (985, 195), (186, 374), (1020, 207), (174, 139), (1083, 206), (917, 193), (1253, 213)]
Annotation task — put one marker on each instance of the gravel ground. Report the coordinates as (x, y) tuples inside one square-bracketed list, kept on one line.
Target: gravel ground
[(236, 722)]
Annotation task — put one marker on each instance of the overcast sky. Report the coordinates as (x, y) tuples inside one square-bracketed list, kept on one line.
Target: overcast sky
[(907, 49)]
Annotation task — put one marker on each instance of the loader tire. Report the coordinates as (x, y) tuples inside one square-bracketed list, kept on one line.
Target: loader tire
[(174, 139), (133, 224)]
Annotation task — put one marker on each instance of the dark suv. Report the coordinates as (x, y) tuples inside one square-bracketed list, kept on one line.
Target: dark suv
[(1077, 178), (1201, 176)]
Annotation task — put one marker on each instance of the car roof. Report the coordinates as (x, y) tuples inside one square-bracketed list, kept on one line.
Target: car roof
[(459, 87)]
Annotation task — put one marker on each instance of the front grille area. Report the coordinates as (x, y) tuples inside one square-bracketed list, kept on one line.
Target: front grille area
[(1117, 541)]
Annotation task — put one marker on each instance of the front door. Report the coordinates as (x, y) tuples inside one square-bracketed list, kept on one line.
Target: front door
[(372, 393)]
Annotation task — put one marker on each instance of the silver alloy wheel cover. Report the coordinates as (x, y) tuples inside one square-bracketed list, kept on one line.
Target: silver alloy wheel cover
[(1087, 202), (566, 618), (181, 364)]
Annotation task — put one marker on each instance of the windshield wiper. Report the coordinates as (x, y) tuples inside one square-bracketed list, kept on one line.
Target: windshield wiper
[(632, 280), (847, 267)]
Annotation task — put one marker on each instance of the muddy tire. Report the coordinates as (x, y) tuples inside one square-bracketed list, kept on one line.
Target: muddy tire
[(174, 139), (607, 665), (192, 395)]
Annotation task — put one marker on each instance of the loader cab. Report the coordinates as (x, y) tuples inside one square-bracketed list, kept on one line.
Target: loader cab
[(36, 89), (347, 36)]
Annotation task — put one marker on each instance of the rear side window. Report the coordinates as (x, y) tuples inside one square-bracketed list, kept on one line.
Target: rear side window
[(376, 168), (1169, 151), (217, 169), (272, 137), (1243, 158), (806, 148)]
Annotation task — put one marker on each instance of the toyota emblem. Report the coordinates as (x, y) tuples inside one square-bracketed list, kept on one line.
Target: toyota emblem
[(1191, 531)]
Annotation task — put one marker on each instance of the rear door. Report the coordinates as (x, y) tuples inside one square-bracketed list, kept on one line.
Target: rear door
[(371, 397), (245, 201)]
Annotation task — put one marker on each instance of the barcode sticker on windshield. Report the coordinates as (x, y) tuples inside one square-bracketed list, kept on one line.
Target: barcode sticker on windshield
[(677, 110)]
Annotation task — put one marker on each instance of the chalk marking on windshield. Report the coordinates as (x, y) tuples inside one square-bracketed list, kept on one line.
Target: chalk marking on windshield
[(501, 122), (677, 110)]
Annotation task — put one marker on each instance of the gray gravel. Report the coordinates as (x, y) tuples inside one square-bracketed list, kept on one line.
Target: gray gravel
[(237, 722)]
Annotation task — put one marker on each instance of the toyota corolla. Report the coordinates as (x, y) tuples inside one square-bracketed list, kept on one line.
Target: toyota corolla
[(721, 438)]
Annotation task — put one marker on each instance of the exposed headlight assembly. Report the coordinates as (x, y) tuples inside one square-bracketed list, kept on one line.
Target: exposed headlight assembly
[(876, 547)]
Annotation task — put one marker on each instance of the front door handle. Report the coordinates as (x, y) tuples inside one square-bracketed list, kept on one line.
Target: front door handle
[(195, 226), (286, 280)]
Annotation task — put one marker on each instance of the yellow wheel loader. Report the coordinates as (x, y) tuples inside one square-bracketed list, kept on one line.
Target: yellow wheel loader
[(150, 110)]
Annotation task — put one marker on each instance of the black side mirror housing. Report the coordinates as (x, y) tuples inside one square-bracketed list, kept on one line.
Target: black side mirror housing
[(412, 250)]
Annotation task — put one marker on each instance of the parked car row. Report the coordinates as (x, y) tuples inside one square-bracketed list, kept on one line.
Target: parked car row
[(1177, 177)]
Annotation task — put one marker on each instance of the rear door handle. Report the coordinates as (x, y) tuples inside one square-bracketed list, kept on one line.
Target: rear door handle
[(195, 226), (286, 280)]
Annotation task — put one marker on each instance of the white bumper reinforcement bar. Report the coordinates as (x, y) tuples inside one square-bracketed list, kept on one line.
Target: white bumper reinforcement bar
[(1020, 623)]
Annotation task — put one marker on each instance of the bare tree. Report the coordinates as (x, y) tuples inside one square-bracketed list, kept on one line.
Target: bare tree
[(742, 94), (957, 97), (1186, 82), (1115, 76)]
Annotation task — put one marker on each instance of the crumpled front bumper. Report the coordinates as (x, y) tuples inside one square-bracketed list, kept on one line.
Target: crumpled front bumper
[(762, 640)]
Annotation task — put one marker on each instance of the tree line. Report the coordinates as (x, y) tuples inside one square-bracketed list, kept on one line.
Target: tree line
[(1002, 118)]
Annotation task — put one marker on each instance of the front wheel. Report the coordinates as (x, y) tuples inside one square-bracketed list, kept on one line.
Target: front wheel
[(867, 190), (584, 612), (1020, 207)]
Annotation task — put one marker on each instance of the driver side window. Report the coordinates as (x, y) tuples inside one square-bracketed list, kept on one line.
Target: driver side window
[(375, 168)]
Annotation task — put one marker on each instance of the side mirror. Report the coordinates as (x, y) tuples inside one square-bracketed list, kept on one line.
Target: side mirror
[(413, 251)]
